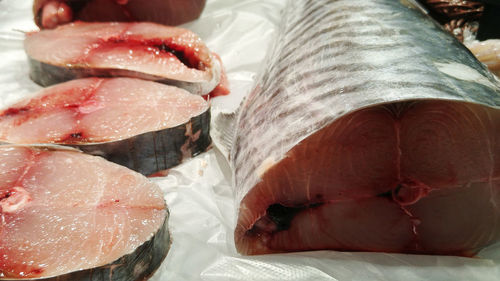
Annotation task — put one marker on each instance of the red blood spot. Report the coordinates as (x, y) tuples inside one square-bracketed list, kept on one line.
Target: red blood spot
[(163, 173), (409, 192), (14, 111), (159, 47), (73, 138)]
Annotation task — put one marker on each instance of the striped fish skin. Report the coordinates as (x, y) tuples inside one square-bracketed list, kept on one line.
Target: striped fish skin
[(379, 62), (145, 126), (165, 54)]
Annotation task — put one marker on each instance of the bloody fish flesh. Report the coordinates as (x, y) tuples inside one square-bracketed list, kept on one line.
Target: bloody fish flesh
[(143, 125), (59, 223), (150, 51)]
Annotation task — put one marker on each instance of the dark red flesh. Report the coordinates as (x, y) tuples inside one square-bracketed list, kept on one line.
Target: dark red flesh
[(420, 177)]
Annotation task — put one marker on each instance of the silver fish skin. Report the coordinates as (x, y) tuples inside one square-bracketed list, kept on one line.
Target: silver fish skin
[(332, 59), (179, 130)]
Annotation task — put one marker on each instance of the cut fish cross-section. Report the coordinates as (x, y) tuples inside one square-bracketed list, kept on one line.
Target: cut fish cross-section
[(59, 223), (146, 126), (371, 130), (170, 55)]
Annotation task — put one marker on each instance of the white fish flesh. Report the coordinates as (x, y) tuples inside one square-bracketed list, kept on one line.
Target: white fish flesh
[(140, 124), (150, 51), (66, 215)]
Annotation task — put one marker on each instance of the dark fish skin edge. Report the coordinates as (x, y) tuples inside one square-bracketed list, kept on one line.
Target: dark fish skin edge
[(156, 151), (138, 265), (47, 74)]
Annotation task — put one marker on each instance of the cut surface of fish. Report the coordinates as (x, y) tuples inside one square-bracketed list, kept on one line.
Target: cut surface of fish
[(170, 55), (372, 130), (51, 13), (66, 215), (143, 125)]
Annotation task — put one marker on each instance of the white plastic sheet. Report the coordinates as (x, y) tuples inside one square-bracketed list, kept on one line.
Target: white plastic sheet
[(199, 193)]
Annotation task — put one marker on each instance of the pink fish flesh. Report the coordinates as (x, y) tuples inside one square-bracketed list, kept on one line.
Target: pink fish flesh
[(149, 51), (371, 130), (144, 125), (69, 215)]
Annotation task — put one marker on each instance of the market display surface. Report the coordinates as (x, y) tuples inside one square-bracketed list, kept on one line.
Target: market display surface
[(248, 36)]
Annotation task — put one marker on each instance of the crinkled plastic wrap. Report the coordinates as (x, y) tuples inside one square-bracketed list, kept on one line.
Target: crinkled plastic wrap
[(199, 192)]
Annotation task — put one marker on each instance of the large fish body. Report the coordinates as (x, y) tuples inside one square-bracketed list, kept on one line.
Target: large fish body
[(143, 125), (149, 51), (372, 130), (59, 223)]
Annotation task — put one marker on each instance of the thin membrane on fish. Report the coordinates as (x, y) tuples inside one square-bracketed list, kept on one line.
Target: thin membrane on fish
[(150, 51), (143, 125), (373, 129), (67, 215)]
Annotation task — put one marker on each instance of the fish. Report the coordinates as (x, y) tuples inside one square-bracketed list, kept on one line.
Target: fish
[(488, 52), (146, 126), (371, 129), (149, 51), (67, 215), (51, 13)]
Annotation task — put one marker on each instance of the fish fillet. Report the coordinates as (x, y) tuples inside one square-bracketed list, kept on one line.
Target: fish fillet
[(372, 130), (59, 222)]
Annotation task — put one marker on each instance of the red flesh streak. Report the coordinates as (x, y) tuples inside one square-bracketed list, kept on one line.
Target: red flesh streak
[(163, 173), (34, 110), (157, 47), (20, 270)]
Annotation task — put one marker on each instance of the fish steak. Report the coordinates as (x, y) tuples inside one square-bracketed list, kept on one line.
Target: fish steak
[(149, 51), (143, 125), (66, 215)]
